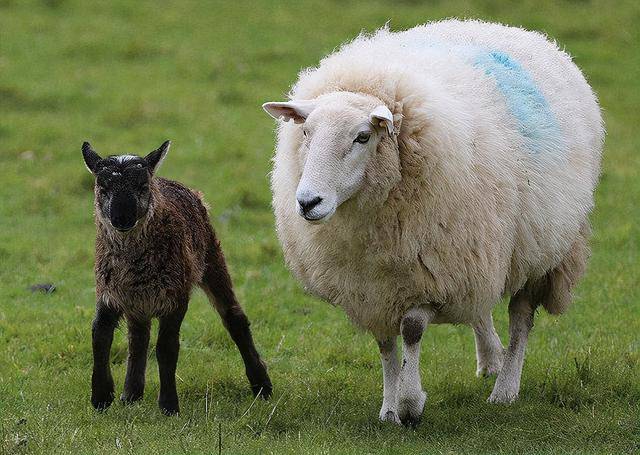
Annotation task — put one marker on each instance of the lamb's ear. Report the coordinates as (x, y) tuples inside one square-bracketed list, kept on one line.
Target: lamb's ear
[(382, 116), (154, 159), (91, 158), (296, 110)]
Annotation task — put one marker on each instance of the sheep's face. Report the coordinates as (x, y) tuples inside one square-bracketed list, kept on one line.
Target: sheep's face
[(122, 183), (341, 131)]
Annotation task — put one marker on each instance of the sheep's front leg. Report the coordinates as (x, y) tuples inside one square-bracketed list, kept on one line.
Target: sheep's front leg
[(507, 386), (104, 323), (390, 373), (137, 361), (167, 349), (411, 397), (489, 349)]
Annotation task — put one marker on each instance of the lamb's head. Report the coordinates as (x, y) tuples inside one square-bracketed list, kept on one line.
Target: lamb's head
[(341, 132), (122, 185)]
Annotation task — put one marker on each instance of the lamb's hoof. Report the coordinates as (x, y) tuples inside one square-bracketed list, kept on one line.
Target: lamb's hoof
[(387, 415), (263, 390), (102, 399), (101, 404), (169, 407), (260, 381), (410, 408), (130, 397), (502, 396), (170, 411)]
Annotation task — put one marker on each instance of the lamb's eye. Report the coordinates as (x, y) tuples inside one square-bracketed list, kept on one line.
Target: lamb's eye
[(362, 138), (304, 133)]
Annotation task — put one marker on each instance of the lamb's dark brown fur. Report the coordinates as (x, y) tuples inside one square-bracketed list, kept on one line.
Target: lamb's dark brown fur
[(149, 272)]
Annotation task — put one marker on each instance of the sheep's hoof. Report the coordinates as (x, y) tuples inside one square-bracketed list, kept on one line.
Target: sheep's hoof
[(492, 369), (410, 408), (490, 366), (502, 397), (387, 415)]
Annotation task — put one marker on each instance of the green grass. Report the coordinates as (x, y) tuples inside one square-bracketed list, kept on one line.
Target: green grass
[(128, 75)]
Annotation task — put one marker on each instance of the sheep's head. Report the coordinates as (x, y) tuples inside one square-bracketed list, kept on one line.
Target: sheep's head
[(341, 132), (122, 185)]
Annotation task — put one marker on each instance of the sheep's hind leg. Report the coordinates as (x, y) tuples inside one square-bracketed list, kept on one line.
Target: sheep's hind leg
[(390, 372), (489, 349), (521, 312), (137, 360), (411, 397), (167, 349)]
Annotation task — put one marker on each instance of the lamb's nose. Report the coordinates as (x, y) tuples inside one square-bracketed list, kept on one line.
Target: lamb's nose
[(308, 204)]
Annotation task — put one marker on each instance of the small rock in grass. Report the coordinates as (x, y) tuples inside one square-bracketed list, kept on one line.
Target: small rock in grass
[(47, 288)]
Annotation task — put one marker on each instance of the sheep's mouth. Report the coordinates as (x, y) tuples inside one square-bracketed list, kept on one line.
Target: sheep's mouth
[(315, 219)]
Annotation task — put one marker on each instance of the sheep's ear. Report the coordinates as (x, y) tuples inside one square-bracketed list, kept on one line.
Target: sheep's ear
[(155, 158), (91, 158), (296, 110), (382, 116)]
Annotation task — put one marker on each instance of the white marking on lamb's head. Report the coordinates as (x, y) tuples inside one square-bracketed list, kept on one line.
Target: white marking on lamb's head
[(125, 158), (341, 131)]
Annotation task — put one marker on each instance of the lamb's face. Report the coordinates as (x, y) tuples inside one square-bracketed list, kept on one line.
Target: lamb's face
[(122, 190), (340, 133)]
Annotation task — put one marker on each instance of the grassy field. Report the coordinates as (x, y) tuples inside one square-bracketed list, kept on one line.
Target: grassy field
[(127, 75)]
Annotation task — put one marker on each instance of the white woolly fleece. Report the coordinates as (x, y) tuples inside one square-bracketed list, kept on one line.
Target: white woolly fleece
[(488, 187)]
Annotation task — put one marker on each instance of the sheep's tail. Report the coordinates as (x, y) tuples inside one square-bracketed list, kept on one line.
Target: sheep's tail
[(553, 291)]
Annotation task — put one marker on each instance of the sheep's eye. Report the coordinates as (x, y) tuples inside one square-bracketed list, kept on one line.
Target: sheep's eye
[(304, 133), (363, 138)]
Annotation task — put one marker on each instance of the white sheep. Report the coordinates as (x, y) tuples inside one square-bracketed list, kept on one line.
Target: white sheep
[(429, 172)]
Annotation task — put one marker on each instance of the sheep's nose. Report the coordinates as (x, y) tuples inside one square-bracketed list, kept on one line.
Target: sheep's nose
[(308, 204)]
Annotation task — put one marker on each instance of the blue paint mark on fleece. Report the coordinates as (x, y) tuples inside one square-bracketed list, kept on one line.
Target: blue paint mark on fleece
[(524, 100), (536, 122)]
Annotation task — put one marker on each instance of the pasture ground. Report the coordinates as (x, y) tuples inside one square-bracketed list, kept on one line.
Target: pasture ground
[(128, 75)]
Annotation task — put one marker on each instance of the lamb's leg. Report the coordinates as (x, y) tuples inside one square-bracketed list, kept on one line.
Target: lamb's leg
[(489, 349), (390, 372), (217, 284), (104, 323), (521, 312), (137, 361), (411, 397), (167, 349)]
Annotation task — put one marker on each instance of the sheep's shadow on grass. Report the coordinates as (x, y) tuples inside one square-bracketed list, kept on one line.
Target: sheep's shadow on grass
[(452, 410)]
